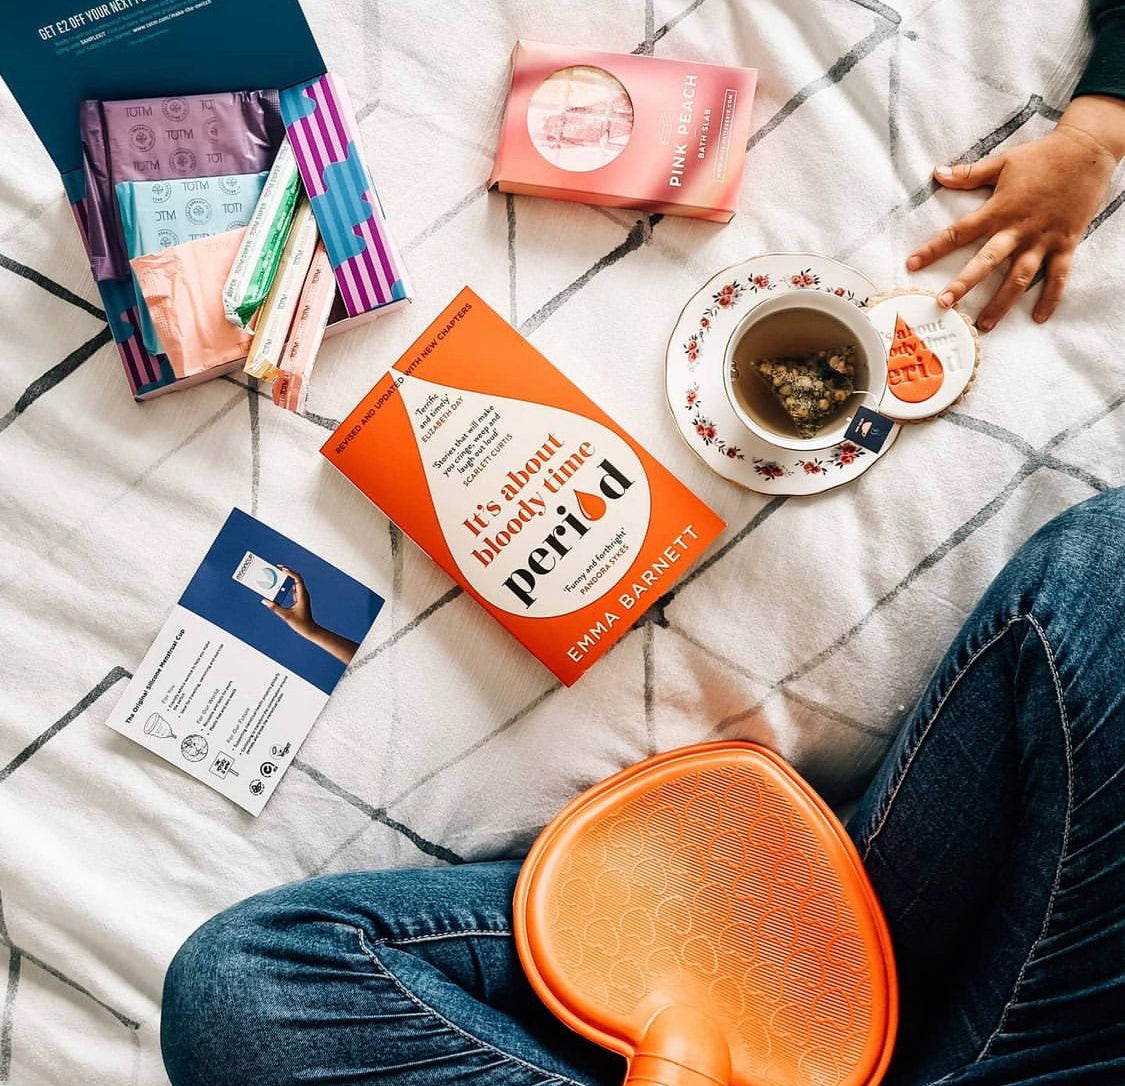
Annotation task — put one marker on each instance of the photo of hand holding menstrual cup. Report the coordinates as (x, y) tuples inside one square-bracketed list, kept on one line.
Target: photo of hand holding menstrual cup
[(298, 617)]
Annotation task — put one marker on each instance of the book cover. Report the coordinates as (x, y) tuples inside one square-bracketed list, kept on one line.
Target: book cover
[(521, 488)]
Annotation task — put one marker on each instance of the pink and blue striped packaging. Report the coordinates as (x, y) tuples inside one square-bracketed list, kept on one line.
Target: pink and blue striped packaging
[(321, 130)]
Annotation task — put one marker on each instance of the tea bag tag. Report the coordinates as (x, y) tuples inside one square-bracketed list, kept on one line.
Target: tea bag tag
[(932, 354), (869, 429)]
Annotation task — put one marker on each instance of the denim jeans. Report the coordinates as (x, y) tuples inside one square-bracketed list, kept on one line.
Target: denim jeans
[(994, 834)]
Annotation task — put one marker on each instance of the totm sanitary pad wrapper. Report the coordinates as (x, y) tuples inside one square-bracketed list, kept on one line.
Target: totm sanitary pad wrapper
[(159, 214), (178, 285), (165, 139)]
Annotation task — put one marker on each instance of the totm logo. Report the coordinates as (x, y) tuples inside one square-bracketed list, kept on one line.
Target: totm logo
[(198, 210), (175, 109), (142, 137)]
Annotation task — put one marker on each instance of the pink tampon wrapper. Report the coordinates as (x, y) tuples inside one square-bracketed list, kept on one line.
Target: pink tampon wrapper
[(305, 337)]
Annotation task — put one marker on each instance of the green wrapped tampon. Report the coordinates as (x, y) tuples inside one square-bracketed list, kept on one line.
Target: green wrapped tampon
[(255, 266)]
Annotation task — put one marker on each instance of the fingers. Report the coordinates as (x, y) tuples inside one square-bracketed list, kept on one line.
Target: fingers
[(1020, 275), (1058, 268), (963, 231), (991, 255), (294, 574), (970, 175), (298, 583)]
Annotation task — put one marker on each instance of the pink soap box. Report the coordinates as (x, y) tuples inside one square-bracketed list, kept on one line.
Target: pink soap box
[(623, 130)]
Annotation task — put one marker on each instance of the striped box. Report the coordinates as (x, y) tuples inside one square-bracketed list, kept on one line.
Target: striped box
[(321, 129)]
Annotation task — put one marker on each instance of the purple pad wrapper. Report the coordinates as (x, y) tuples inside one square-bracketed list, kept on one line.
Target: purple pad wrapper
[(162, 139)]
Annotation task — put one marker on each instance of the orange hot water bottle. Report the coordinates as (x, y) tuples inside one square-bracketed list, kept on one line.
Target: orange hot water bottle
[(704, 914)]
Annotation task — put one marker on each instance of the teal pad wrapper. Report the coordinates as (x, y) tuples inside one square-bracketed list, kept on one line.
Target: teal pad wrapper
[(159, 214)]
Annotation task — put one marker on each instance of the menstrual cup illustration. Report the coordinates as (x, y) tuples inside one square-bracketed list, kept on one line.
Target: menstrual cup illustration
[(158, 727)]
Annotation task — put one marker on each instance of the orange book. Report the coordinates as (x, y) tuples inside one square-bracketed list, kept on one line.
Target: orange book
[(521, 488)]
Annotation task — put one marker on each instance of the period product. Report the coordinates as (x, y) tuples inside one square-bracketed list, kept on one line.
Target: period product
[(532, 498), (168, 139), (126, 99), (156, 215), (314, 308), (178, 287), (276, 315), (159, 214), (235, 678), (321, 127), (256, 264), (623, 130), (269, 581)]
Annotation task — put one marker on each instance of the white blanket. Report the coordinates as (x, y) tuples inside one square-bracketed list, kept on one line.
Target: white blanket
[(448, 741)]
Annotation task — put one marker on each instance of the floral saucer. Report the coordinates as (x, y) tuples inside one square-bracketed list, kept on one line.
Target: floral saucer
[(698, 398)]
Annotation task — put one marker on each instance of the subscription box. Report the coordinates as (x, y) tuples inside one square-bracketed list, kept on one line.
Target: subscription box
[(171, 67)]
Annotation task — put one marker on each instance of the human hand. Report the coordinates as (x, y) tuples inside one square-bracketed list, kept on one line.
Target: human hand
[(1045, 193), (299, 618), (299, 614)]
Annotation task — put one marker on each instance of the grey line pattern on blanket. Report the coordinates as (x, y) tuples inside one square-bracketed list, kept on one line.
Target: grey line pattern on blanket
[(446, 743)]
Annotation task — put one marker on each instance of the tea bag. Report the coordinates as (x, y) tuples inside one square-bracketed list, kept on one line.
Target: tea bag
[(811, 388)]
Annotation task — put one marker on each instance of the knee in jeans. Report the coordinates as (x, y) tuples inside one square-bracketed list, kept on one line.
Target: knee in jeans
[(211, 993), (1081, 553)]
